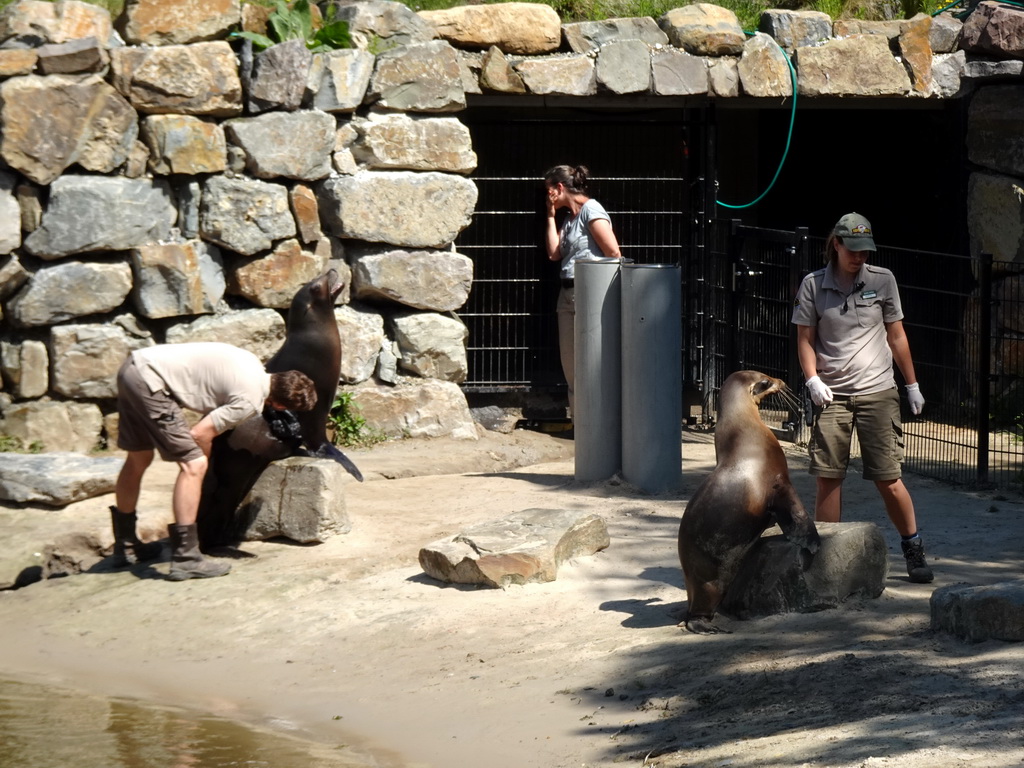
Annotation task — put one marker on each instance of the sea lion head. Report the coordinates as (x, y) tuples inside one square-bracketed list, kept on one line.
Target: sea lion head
[(316, 296), (759, 385)]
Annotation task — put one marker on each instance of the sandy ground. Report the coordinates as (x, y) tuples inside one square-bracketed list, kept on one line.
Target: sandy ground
[(348, 642)]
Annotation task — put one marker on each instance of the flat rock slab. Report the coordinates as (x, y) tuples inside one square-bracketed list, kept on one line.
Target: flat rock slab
[(853, 561), (525, 547), (56, 479), (977, 613)]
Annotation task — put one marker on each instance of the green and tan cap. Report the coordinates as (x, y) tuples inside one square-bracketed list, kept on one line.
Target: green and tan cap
[(856, 232)]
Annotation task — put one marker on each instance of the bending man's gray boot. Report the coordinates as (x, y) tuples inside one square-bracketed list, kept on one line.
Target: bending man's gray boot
[(187, 562), (128, 550)]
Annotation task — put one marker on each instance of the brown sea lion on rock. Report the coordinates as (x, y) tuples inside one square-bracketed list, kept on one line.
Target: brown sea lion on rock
[(748, 491), (312, 345)]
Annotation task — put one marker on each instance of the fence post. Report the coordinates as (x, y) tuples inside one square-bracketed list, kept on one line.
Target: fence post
[(984, 346)]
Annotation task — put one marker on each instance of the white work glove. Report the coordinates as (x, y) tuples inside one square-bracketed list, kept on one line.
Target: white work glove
[(821, 395), (915, 397)]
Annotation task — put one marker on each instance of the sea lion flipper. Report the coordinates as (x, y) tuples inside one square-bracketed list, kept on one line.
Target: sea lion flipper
[(328, 451), (793, 519)]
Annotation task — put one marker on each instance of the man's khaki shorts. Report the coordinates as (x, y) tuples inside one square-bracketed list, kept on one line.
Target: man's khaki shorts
[(148, 420), (876, 418)]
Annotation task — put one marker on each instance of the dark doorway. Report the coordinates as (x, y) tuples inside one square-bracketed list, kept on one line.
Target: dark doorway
[(900, 162), (641, 165)]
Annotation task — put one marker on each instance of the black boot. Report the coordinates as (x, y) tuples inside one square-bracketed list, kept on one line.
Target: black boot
[(128, 550), (917, 566), (187, 562)]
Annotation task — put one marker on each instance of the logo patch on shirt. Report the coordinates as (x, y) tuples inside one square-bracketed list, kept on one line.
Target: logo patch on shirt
[(869, 294)]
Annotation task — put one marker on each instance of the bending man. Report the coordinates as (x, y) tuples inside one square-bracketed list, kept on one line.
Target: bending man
[(226, 385)]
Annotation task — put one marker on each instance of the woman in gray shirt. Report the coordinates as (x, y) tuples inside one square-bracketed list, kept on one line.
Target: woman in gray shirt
[(586, 233), (849, 332)]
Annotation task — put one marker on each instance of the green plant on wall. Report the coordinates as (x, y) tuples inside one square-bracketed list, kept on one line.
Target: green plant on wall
[(295, 22), (11, 444), (348, 426)]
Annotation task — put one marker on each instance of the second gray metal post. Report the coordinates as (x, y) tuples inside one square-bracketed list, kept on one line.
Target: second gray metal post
[(652, 407)]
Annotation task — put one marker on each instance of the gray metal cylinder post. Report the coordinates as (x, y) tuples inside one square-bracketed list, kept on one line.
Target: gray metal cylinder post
[(652, 410), (597, 420)]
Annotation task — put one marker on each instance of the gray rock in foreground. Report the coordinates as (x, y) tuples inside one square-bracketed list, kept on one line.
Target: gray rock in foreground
[(977, 613), (524, 547), (56, 479), (853, 561), (302, 499)]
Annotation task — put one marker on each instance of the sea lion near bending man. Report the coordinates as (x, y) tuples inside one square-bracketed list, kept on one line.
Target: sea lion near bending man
[(312, 345), (748, 491)]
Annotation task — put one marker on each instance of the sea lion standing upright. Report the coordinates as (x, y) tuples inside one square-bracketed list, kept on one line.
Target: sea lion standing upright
[(748, 491), (312, 345)]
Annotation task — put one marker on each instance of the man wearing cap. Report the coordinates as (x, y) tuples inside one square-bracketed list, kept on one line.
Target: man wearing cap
[(849, 332)]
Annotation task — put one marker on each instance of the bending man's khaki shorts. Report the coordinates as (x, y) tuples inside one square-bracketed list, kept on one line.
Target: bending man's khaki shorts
[(876, 418), (148, 420)]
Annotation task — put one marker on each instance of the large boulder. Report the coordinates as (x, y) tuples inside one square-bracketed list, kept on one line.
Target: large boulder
[(704, 29), (422, 77), (51, 123), (174, 279), (197, 79), (995, 138), (433, 280), (764, 69), (995, 218), (63, 292), (362, 337), (383, 24), (338, 79), (86, 358), (853, 561), (523, 548), (587, 36), (861, 65), (414, 143), (432, 345), (405, 209), (519, 28), (976, 613), (624, 66), (31, 22), (298, 498), (261, 331), (25, 368), (184, 144), (416, 408), (172, 22), (273, 280), (56, 479), (270, 146), (101, 213), (572, 75), (278, 77), (795, 29), (245, 215), (52, 426), (994, 29)]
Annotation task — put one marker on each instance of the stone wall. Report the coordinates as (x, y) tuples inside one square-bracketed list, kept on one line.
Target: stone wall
[(161, 182)]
